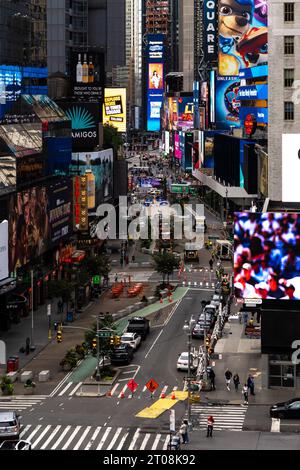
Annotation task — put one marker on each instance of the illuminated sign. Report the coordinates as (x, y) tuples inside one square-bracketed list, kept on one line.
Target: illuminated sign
[(80, 202), (261, 114), (250, 124), (210, 31), (114, 108), (253, 92), (155, 80)]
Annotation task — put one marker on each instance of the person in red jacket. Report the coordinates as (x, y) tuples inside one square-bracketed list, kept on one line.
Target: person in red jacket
[(210, 426)]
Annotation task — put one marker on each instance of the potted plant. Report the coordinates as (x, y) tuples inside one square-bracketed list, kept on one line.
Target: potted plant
[(29, 387), (70, 360), (7, 387)]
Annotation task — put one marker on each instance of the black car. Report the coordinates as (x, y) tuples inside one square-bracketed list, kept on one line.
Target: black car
[(122, 353), (286, 410)]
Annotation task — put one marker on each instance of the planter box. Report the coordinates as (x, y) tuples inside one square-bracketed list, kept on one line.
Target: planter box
[(29, 390)]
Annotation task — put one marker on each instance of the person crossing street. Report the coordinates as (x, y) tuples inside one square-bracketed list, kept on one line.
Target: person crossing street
[(210, 426), (228, 375)]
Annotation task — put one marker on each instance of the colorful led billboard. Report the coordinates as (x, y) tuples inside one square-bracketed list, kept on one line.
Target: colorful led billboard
[(228, 103), (114, 108), (267, 256), (185, 112), (155, 80), (243, 35)]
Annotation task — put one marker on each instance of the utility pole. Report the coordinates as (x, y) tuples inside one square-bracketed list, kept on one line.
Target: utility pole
[(187, 328), (98, 351), (32, 347)]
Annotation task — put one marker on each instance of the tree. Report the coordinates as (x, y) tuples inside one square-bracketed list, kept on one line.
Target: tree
[(96, 265), (111, 138), (63, 289), (165, 264)]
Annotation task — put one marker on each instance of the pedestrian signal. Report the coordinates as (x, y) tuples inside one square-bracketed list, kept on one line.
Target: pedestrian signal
[(117, 340), (94, 343), (112, 340), (59, 336)]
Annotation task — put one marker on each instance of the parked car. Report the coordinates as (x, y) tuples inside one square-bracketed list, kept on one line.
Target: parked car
[(286, 410), (133, 339), (182, 362), (104, 361), (9, 425), (199, 328), (122, 353)]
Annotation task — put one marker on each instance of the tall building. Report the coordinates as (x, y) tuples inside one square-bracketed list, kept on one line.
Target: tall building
[(23, 33), (67, 28), (186, 43)]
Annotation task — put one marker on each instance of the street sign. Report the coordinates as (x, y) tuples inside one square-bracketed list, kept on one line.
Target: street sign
[(132, 385), (49, 310), (104, 334), (96, 280), (172, 421), (152, 385)]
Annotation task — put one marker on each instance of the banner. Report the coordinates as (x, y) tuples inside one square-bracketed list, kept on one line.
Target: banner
[(3, 250), (210, 31), (114, 108)]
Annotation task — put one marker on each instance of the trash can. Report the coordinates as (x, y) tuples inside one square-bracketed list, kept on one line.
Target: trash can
[(70, 316), (12, 364)]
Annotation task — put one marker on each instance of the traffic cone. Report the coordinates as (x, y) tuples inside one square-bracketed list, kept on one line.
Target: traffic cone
[(162, 395), (122, 395), (108, 393), (173, 395), (170, 298), (161, 300)]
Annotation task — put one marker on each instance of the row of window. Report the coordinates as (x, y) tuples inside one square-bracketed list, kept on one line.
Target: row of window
[(289, 12)]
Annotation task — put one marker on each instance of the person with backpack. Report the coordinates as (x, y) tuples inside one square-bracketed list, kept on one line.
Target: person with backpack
[(210, 426), (228, 375)]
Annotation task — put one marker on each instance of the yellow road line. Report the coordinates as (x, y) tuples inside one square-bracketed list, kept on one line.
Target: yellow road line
[(162, 405)]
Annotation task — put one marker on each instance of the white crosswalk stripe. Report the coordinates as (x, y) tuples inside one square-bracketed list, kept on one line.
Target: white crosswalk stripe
[(21, 402), (72, 437), (119, 389), (228, 417)]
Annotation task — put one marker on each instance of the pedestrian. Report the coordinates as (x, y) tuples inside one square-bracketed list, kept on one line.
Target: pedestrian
[(126, 259), (133, 258), (245, 393), (212, 377), (59, 306), (228, 375), (236, 381), (211, 263), (184, 432), (116, 277), (27, 346), (250, 384), (210, 426)]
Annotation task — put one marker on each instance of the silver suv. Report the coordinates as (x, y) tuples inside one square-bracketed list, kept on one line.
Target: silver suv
[(9, 424)]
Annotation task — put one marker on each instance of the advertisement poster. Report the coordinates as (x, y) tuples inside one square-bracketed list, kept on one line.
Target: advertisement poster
[(114, 108), (177, 150), (173, 113), (290, 167), (155, 80), (87, 68), (269, 267), (10, 86), (3, 250), (85, 118), (99, 168), (60, 210), (185, 113), (228, 103), (243, 35)]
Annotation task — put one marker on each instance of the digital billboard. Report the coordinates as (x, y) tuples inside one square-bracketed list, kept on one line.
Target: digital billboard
[(87, 74), (290, 167), (60, 210), (228, 103), (4, 250), (98, 167), (155, 80), (177, 149), (185, 112), (267, 256), (114, 108)]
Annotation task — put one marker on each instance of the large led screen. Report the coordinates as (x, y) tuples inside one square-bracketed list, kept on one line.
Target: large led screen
[(155, 80), (243, 35), (267, 256), (228, 103), (114, 108)]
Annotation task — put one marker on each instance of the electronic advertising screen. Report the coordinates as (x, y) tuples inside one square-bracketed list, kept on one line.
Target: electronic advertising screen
[(185, 113), (114, 108), (155, 80), (228, 103), (267, 256), (243, 35)]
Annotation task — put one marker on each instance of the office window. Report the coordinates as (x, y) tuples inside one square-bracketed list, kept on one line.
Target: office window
[(289, 45), (288, 12), (288, 111), (288, 78)]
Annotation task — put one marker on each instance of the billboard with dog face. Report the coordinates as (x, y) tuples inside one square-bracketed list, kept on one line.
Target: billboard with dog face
[(243, 35)]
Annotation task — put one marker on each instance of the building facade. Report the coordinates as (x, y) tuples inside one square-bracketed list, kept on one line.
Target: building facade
[(186, 43)]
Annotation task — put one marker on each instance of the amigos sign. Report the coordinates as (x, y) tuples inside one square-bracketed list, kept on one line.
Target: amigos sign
[(85, 118)]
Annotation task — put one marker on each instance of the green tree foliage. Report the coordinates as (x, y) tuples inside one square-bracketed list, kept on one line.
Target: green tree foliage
[(165, 263), (111, 138)]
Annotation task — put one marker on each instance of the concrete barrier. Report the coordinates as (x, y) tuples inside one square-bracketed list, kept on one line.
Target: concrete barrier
[(44, 376), (26, 375), (12, 376)]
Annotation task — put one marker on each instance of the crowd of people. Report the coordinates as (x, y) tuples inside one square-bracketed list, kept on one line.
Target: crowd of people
[(267, 255)]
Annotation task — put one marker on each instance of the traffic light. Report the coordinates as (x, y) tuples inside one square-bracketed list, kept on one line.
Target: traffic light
[(112, 340), (117, 340), (207, 343), (94, 343), (59, 336)]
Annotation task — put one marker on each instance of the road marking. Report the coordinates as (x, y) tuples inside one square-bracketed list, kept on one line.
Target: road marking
[(60, 384), (166, 443), (144, 443), (93, 438), (114, 388), (122, 441), (130, 372), (122, 391), (135, 438), (154, 343), (25, 430), (75, 389), (71, 437), (114, 439), (41, 436), (61, 438), (123, 380), (29, 438), (104, 438), (155, 444), (82, 438), (51, 437), (65, 389)]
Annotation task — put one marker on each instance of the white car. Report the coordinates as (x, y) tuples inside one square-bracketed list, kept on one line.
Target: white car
[(182, 363), (132, 339)]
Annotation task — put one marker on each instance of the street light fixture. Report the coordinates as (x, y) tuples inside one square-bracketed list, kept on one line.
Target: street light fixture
[(188, 328)]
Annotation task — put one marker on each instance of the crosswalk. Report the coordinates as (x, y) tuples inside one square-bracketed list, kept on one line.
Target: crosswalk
[(119, 390), (72, 437), (21, 402), (227, 417)]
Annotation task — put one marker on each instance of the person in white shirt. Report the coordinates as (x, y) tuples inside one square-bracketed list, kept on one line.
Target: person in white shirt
[(155, 79)]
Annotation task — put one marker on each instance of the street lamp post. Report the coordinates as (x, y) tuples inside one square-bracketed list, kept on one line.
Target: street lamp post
[(32, 346), (187, 328), (98, 351)]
